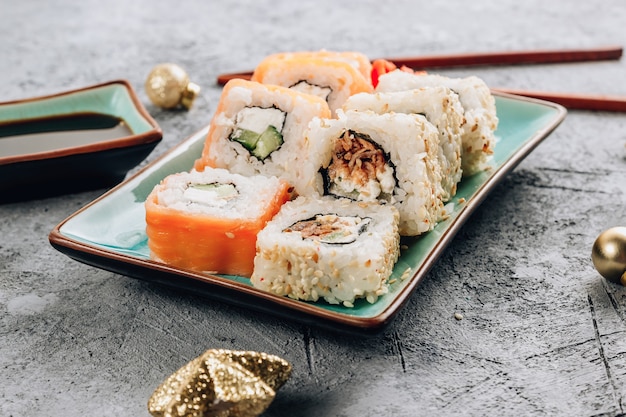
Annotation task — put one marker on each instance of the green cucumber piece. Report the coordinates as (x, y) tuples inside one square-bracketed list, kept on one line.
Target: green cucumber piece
[(246, 137), (268, 142), (220, 190)]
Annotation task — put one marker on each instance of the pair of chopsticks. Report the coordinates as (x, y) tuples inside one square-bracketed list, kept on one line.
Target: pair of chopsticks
[(571, 101)]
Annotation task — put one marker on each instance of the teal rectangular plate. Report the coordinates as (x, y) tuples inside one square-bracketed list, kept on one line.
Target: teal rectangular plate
[(109, 233)]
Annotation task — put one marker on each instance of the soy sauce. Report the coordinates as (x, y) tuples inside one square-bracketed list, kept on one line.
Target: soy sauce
[(59, 132)]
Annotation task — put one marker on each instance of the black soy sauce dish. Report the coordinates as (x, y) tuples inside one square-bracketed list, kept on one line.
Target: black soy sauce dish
[(73, 141)]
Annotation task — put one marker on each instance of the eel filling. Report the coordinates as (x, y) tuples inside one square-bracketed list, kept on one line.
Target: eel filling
[(331, 228), (359, 170)]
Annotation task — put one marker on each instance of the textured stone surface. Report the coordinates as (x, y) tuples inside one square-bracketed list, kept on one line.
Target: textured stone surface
[(542, 333)]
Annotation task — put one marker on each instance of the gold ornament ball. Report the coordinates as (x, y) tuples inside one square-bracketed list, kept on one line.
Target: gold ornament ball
[(609, 254), (168, 86)]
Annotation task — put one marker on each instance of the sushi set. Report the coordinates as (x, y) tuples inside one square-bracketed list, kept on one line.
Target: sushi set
[(314, 193)]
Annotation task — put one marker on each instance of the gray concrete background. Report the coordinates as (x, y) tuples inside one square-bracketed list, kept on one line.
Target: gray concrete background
[(542, 334)]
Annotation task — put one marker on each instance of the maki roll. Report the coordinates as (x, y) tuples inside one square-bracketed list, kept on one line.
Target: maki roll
[(332, 76), (261, 129), (359, 61), (388, 158), (441, 107), (208, 221), (481, 121), (329, 249)]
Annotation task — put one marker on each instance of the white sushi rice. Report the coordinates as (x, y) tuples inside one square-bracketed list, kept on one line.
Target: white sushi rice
[(481, 119), (287, 264), (411, 143), (289, 161), (441, 107), (251, 198)]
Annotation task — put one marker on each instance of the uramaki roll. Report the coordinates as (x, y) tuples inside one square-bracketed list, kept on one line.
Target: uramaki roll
[(208, 221), (357, 60), (388, 158), (331, 77), (441, 107), (329, 249), (481, 121), (261, 129)]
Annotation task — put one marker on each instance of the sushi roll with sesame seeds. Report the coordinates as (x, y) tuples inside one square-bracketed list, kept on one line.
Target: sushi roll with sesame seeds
[(324, 248), (481, 121), (441, 106), (261, 129), (388, 158)]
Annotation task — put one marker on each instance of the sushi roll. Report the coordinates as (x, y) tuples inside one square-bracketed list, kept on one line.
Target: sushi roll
[(481, 121), (441, 107), (329, 249), (359, 61), (208, 221), (388, 158), (329, 77), (261, 129)]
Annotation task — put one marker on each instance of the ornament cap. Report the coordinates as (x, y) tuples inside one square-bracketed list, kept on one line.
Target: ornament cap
[(189, 94)]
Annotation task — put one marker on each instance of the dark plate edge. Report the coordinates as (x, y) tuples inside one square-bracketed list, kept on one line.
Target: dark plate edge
[(213, 287)]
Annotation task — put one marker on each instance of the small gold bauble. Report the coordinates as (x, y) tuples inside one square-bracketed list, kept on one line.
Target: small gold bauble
[(609, 254), (168, 86)]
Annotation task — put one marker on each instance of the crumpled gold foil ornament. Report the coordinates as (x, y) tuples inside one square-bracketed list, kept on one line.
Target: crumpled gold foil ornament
[(221, 383), (168, 86)]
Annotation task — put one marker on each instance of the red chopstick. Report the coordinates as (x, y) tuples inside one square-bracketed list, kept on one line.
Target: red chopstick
[(546, 56), (224, 78), (574, 101)]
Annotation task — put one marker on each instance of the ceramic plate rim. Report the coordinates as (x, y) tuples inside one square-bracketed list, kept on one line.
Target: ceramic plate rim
[(81, 250)]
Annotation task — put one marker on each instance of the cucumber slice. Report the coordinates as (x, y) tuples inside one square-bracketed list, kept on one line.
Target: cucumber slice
[(246, 137), (212, 195), (220, 190), (268, 142)]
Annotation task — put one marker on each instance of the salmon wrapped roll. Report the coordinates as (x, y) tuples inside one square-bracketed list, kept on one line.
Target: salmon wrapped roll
[(208, 221), (261, 129), (357, 60), (331, 76)]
